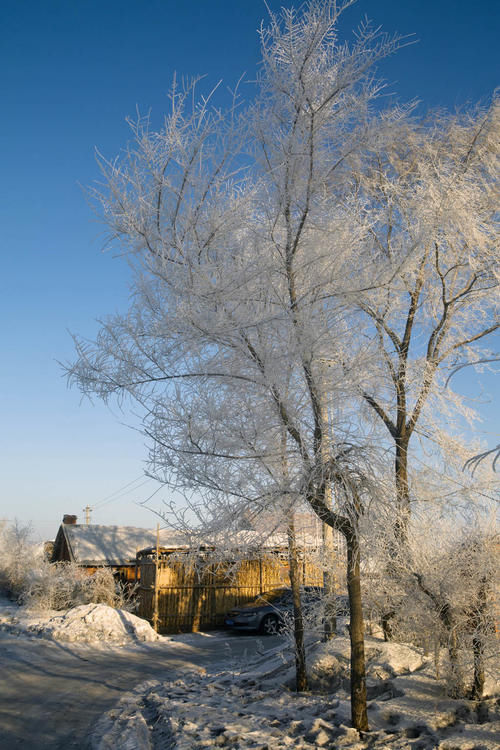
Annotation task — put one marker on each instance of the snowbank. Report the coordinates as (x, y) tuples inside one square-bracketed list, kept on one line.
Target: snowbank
[(96, 622), (202, 712), (88, 623), (328, 666)]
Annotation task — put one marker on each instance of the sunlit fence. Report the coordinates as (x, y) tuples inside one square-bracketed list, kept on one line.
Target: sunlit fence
[(195, 592)]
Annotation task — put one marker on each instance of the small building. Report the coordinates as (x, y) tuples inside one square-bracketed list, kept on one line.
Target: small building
[(93, 546)]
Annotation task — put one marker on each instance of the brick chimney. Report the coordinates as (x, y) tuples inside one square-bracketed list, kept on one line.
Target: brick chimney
[(70, 520)]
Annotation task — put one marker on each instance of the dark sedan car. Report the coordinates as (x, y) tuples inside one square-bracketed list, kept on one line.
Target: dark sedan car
[(269, 612)]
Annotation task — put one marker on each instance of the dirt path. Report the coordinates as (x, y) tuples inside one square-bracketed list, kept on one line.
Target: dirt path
[(52, 693)]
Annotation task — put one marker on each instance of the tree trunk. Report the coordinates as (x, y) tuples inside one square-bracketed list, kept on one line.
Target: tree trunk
[(402, 492), (456, 676), (330, 622), (386, 622), (478, 622), (478, 681), (359, 714), (346, 527), (402, 519), (298, 620), (444, 612)]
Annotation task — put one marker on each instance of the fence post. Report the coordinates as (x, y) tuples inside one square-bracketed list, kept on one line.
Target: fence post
[(156, 586)]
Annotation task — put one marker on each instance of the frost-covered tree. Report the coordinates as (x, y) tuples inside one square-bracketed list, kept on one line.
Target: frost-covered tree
[(239, 226), (18, 554), (27, 576), (433, 196), (445, 599)]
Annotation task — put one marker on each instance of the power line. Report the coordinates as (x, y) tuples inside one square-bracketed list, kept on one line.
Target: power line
[(120, 489), (143, 502), (120, 492), (119, 497)]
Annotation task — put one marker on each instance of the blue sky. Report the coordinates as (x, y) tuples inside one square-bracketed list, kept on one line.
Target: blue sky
[(71, 72)]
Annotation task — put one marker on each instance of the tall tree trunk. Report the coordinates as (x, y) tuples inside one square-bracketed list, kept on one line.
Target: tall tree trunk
[(401, 522), (330, 614), (359, 714), (402, 492), (330, 622), (479, 624), (477, 689), (348, 529), (298, 619), (294, 574)]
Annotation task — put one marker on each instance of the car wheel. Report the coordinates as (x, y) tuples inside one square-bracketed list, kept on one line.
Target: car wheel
[(270, 625)]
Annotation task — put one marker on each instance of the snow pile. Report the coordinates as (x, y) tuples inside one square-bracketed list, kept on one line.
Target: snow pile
[(96, 622), (328, 666), (87, 623), (398, 658), (253, 710)]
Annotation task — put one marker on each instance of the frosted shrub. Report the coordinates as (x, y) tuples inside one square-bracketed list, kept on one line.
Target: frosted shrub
[(103, 588), (18, 554), (53, 586), (65, 585), (28, 577), (442, 598)]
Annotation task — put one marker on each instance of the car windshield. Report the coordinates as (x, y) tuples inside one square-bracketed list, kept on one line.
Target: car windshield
[(271, 597), (284, 596)]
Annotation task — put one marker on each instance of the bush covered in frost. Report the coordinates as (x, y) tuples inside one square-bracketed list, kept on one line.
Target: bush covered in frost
[(28, 577), (18, 554)]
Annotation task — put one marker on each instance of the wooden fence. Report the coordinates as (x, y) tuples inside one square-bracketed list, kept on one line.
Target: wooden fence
[(195, 594)]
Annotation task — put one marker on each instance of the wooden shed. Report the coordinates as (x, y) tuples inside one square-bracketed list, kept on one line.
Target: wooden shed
[(93, 546)]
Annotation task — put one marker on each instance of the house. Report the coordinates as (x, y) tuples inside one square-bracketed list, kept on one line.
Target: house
[(94, 546), (191, 584)]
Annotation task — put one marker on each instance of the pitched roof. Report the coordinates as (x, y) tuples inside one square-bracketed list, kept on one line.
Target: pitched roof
[(117, 545), (250, 539), (112, 545)]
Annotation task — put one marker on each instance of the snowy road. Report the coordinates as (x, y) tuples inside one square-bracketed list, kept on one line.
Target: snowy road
[(51, 693)]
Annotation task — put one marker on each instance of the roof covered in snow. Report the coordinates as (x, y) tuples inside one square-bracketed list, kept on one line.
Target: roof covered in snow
[(110, 545), (89, 544), (251, 539)]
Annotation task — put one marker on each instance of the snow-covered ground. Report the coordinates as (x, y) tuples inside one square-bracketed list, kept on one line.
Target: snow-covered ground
[(241, 704), (255, 708)]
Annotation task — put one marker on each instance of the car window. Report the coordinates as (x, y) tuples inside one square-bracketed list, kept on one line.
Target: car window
[(283, 596), (270, 597), (312, 593), (284, 600)]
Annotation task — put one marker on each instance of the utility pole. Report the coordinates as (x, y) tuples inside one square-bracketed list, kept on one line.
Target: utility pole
[(87, 511)]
